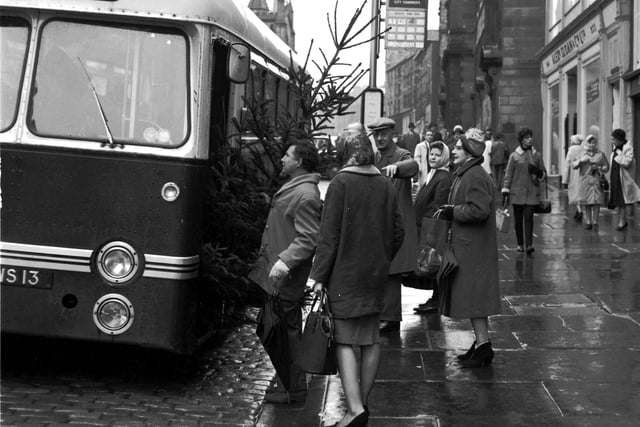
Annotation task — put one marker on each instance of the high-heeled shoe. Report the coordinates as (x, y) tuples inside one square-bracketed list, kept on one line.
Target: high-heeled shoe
[(468, 353), (622, 227), (481, 356), (360, 420)]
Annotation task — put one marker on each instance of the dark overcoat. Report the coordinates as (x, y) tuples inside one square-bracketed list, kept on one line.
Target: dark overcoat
[(475, 290), (290, 234), (405, 260), (360, 232)]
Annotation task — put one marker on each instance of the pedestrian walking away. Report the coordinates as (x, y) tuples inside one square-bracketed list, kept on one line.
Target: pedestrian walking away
[(409, 140), (525, 171), (286, 252), (624, 190), (592, 166), (399, 166), (571, 175), (499, 157), (433, 194), (360, 233), (474, 288)]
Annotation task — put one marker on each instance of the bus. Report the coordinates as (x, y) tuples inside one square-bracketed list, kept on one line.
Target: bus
[(107, 121)]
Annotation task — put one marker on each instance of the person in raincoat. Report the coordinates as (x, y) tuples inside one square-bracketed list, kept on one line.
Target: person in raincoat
[(591, 165), (525, 171), (624, 190), (399, 166), (287, 248), (570, 175), (475, 292)]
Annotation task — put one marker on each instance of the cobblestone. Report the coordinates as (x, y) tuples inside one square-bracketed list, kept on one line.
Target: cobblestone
[(223, 384)]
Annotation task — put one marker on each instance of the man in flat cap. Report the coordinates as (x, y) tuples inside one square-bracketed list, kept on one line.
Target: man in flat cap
[(397, 164)]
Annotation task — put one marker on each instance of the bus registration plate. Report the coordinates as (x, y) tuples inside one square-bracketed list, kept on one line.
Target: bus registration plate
[(26, 277)]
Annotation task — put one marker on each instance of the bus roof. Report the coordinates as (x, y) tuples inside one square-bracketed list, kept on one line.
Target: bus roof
[(230, 15)]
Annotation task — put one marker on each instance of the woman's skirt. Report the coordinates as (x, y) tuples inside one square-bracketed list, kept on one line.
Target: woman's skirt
[(362, 330)]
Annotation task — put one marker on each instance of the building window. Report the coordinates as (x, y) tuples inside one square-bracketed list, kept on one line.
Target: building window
[(592, 93)]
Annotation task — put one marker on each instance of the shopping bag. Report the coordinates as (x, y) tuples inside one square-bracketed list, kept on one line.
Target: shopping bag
[(503, 220), (433, 235), (318, 347), (544, 207)]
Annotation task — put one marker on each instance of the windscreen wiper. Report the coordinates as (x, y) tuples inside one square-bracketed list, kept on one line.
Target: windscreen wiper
[(105, 122)]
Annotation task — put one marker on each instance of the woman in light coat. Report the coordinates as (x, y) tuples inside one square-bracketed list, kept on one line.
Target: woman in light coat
[(592, 165), (474, 291), (570, 175), (624, 190), (525, 171)]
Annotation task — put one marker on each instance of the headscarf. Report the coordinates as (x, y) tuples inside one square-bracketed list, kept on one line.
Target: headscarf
[(586, 146), (576, 139), (443, 163), (354, 148)]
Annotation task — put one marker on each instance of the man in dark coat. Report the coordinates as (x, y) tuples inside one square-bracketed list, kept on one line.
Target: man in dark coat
[(409, 140), (288, 245), (398, 165)]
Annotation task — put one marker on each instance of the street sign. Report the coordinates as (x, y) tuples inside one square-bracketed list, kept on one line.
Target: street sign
[(407, 28), (372, 102), (418, 4)]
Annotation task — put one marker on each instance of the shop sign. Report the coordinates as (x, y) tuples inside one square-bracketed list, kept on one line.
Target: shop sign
[(593, 91), (418, 4), (569, 48)]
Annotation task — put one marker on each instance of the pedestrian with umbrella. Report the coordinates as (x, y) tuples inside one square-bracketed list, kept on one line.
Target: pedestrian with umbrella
[(471, 289), (288, 245), (360, 233)]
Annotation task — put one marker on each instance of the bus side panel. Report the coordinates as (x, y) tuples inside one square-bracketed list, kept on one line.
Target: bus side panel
[(58, 199)]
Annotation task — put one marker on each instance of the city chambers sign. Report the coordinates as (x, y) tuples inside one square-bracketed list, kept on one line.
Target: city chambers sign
[(571, 45)]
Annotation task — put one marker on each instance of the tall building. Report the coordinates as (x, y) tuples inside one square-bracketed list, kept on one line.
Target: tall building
[(490, 73), (279, 18), (590, 71)]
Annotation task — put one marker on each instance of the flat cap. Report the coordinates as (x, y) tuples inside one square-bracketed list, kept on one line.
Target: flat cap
[(381, 123)]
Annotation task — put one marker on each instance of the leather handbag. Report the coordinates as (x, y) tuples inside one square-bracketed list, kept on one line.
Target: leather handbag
[(544, 207), (318, 354)]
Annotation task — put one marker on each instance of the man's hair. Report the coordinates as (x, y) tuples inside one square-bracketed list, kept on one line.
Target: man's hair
[(307, 152), (523, 133)]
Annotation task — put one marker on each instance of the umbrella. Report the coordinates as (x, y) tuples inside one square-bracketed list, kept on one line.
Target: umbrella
[(445, 275), (272, 331)]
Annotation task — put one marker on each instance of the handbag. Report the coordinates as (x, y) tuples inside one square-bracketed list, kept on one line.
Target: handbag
[(433, 235), (503, 220), (318, 354), (544, 207)]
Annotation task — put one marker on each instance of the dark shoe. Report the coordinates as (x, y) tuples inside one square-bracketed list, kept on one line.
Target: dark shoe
[(588, 226), (481, 356), (429, 307), (530, 249), (578, 216), (360, 420), (389, 326), (468, 353), (519, 248), (622, 227), (285, 396)]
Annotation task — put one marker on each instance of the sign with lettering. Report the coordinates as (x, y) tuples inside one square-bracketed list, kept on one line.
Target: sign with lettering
[(407, 28), (593, 90), (571, 45), (418, 4)]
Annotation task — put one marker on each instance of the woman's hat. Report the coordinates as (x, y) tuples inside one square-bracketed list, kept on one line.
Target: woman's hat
[(473, 142), (619, 134)]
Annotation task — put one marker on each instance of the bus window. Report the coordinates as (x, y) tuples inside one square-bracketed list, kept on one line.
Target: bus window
[(270, 95), (137, 75), (14, 38)]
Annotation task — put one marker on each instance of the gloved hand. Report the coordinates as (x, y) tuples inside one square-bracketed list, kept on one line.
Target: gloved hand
[(279, 270), (445, 211), (505, 198), (536, 171)]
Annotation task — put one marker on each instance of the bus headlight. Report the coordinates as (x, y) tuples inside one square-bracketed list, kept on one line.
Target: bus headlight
[(170, 191), (113, 314), (117, 262)]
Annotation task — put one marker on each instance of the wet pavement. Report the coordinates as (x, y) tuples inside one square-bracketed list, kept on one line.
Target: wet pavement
[(567, 343)]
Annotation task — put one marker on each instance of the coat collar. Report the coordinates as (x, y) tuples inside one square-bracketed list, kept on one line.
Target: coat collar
[(468, 165), (361, 170), (521, 152), (313, 178)]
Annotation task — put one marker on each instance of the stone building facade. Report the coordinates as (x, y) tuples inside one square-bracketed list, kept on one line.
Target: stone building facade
[(279, 18)]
